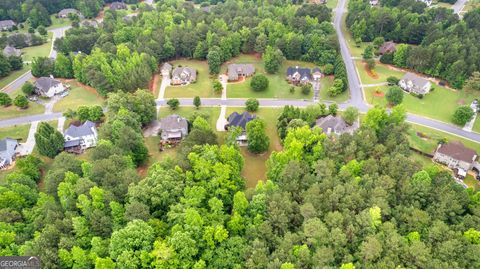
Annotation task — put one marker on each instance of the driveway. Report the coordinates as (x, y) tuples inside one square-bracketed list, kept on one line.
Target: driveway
[(27, 147)]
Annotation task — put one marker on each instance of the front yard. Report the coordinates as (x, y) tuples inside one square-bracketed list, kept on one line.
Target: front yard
[(38, 51), (379, 75), (19, 132), (202, 87), (78, 95), (15, 112), (278, 86), (326, 83)]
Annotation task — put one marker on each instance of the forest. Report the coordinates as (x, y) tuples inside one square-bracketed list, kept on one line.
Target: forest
[(177, 29), (442, 45), (327, 202)]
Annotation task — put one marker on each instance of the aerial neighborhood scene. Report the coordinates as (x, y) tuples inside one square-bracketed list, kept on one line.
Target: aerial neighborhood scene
[(240, 134)]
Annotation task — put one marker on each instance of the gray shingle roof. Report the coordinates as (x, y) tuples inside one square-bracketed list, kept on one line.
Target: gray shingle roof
[(11, 51), (7, 24), (416, 80), (7, 149), (235, 70), (118, 5), (167, 66), (387, 47), (190, 72), (43, 84), (173, 122), (335, 124), (72, 143), (82, 130), (68, 11), (240, 120)]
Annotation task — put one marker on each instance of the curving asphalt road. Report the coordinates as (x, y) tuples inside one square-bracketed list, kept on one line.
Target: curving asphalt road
[(356, 92)]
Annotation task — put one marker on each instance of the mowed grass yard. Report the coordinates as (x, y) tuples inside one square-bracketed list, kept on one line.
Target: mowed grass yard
[(15, 112), (278, 86), (19, 132), (79, 95), (439, 104), (326, 83), (255, 167), (203, 87), (382, 71), (38, 51)]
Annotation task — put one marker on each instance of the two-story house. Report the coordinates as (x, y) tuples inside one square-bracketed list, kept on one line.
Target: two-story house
[(456, 156), (415, 84), (8, 152), (79, 138), (173, 127), (183, 75), (48, 86), (240, 120), (236, 71)]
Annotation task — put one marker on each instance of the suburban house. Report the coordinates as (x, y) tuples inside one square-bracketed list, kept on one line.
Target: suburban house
[(316, 74), (388, 47), (240, 120), (235, 71), (64, 13), (90, 23), (8, 152), (297, 75), (118, 5), (6, 25), (456, 156), (166, 69), (374, 3), (335, 125), (11, 51), (79, 138), (183, 75), (48, 86), (173, 127), (413, 83)]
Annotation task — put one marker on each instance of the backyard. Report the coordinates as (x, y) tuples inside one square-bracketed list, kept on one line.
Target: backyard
[(78, 95), (278, 86), (255, 166), (202, 87), (19, 132)]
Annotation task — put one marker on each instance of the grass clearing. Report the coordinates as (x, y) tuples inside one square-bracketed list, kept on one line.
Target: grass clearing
[(19, 132), (78, 96), (382, 71), (15, 112), (439, 104), (278, 86), (426, 139), (203, 87), (255, 167), (38, 51)]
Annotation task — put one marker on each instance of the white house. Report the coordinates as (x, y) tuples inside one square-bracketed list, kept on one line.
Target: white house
[(413, 83), (456, 156), (79, 138), (48, 86), (8, 153)]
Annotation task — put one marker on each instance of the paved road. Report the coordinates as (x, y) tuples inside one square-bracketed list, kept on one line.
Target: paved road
[(29, 119), (18, 83), (458, 6)]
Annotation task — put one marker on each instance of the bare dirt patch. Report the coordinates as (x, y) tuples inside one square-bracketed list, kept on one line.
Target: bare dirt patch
[(378, 93), (461, 102)]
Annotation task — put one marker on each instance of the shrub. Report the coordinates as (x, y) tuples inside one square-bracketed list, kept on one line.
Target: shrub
[(306, 88), (394, 95), (21, 101), (28, 88), (386, 58), (259, 83), (173, 103), (328, 69), (462, 115), (5, 100), (252, 105), (292, 90), (392, 80)]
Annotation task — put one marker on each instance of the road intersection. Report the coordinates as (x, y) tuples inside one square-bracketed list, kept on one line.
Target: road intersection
[(356, 92)]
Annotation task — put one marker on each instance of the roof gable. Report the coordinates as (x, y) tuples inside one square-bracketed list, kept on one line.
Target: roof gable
[(86, 129)]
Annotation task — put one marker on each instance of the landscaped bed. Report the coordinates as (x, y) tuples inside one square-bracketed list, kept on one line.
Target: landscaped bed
[(380, 73), (278, 85), (202, 87)]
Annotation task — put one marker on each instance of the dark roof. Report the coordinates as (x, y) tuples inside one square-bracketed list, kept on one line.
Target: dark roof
[(387, 47), (82, 130), (240, 120), (72, 143), (304, 72), (45, 83), (458, 151), (118, 5)]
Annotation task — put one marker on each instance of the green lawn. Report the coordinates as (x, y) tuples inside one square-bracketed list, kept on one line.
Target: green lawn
[(14, 112), (38, 51), (202, 87), (13, 76), (382, 73), (58, 22), (332, 4), (255, 164), (439, 104), (187, 112), (278, 86), (472, 182), (426, 139), (326, 83), (78, 96), (476, 126), (19, 132)]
